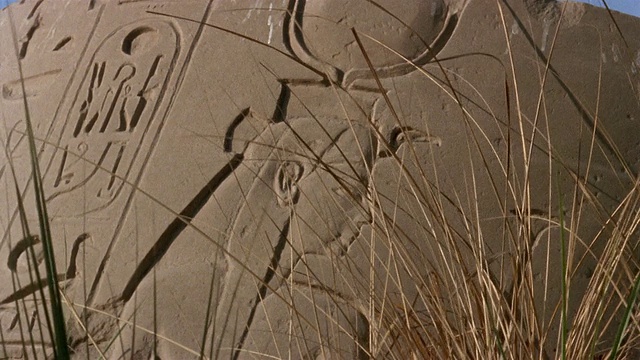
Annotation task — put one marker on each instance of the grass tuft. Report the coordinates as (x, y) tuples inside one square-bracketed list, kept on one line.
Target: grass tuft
[(426, 274)]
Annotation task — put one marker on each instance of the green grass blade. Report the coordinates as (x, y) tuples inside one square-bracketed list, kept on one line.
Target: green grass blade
[(563, 256), (61, 350), (34, 273), (633, 297)]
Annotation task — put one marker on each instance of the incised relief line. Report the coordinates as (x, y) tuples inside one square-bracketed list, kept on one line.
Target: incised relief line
[(269, 271), (27, 254), (109, 127), (113, 112), (338, 64), (33, 85)]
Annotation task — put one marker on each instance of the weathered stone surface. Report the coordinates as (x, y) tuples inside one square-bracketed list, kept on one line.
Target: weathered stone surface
[(256, 179)]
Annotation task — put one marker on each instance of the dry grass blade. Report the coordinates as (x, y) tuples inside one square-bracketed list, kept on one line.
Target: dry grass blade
[(481, 257)]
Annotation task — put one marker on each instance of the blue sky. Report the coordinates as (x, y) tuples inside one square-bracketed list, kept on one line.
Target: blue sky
[(627, 6)]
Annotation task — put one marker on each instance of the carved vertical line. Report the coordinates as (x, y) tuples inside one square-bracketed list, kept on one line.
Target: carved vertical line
[(62, 167), (70, 83), (262, 292), (55, 120), (228, 136), (115, 167), (34, 9), (136, 182), (280, 112), (178, 225)]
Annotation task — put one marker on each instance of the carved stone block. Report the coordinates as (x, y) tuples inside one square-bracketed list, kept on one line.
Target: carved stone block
[(321, 179)]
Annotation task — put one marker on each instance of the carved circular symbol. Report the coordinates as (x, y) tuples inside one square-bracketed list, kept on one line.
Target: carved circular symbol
[(138, 40), (394, 33)]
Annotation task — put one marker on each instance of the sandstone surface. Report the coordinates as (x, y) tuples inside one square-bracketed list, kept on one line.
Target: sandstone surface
[(316, 179)]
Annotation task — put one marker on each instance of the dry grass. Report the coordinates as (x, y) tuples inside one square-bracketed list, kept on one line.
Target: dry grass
[(424, 273)]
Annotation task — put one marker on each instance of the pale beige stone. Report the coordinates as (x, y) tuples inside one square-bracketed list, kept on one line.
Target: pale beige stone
[(241, 178)]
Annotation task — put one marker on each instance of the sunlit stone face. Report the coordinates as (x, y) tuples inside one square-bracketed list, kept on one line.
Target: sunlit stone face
[(407, 27)]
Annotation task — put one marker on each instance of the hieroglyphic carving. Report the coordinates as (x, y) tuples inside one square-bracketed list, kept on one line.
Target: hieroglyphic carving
[(108, 125), (333, 54), (304, 208), (20, 263), (33, 85), (303, 195), (38, 82), (34, 24), (417, 35), (297, 189), (62, 43)]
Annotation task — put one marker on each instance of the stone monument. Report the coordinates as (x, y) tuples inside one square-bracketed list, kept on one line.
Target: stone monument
[(320, 179)]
